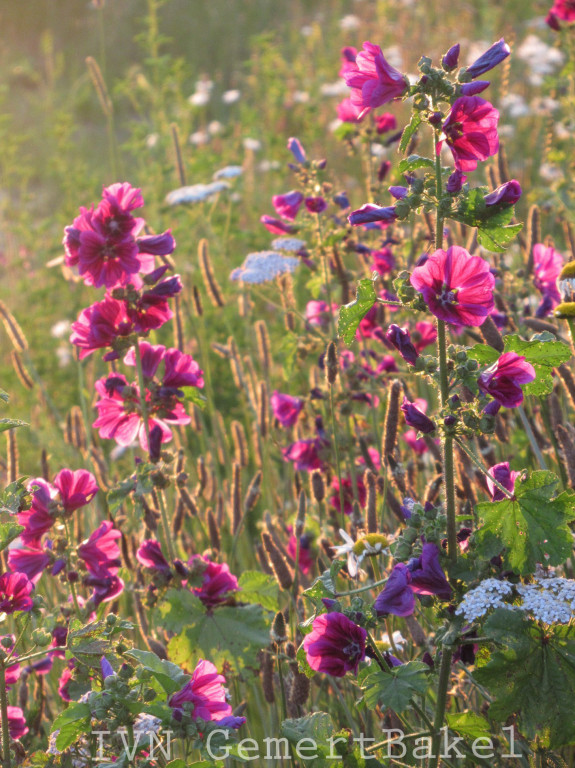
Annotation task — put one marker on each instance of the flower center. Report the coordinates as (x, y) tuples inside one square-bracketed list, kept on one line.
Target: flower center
[(447, 295), (352, 651)]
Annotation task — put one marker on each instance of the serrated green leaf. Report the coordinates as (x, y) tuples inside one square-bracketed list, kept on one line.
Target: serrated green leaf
[(495, 237), (351, 315), (396, 688), (494, 228), (302, 663), (233, 634), (484, 354), (169, 675), (195, 396), (532, 527), (319, 728), (409, 130), (6, 424), (9, 532), (258, 587), (468, 724), (532, 676), (11, 499), (71, 724), (543, 356), (413, 162)]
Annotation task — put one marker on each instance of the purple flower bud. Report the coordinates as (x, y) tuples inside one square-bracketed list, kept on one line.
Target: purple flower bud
[(369, 214), (398, 192), (451, 58), (401, 340), (455, 182), (341, 200), (295, 147), (106, 667), (436, 118), (491, 58), (157, 245), (416, 418), (472, 89), (397, 597), (157, 274), (450, 420), (507, 194), (383, 170), (155, 446), (492, 408)]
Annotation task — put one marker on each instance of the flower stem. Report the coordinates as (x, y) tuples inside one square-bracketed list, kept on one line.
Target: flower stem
[(4, 712), (444, 673), (142, 393)]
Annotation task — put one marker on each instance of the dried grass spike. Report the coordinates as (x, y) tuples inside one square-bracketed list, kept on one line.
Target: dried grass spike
[(100, 86), (25, 379), (264, 346), (212, 287), (178, 154), (391, 420), (278, 562), (15, 333), (12, 468)]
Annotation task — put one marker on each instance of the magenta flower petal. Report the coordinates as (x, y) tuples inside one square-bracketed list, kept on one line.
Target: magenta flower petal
[(335, 645)]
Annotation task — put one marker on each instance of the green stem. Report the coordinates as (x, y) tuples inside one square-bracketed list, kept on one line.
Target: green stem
[(482, 469), (362, 589), (142, 393), (166, 525), (5, 723), (444, 673), (337, 459)]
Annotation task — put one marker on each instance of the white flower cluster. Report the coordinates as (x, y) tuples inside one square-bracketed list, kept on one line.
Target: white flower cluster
[(293, 244), (229, 172), (195, 193), (549, 600), (489, 594), (263, 266)]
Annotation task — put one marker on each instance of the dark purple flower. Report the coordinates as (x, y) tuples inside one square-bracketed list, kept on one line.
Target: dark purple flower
[(370, 213), (315, 204), (383, 169), (396, 597), (399, 193), (491, 58), (416, 418), (502, 380), (451, 58), (401, 340), (157, 245), (504, 476), (507, 194), (427, 577), (335, 645)]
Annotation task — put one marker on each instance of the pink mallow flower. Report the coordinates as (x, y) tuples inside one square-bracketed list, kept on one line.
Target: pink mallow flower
[(348, 112), (383, 261), (288, 205), (16, 722), (76, 488), (347, 493), (423, 335), (317, 313), (101, 554), (119, 409), (15, 591), (304, 454), (204, 697), (286, 408), (561, 10), (217, 581), (457, 287), (375, 81), (471, 131), (547, 264), (335, 645), (150, 555), (504, 476), (104, 244), (503, 379), (39, 518), (348, 56)]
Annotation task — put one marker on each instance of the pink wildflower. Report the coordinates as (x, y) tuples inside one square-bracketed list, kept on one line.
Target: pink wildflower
[(15, 590), (286, 409), (204, 696), (471, 131), (375, 82), (503, 379)]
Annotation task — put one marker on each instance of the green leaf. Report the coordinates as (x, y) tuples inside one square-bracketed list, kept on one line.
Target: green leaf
[(543, 356), (494, 228), (169, 675), (6, 424), (396, 688), (484, 354), (195, 396), (468, 724), (12, 498), (9, 532), (532, 527), (258, 587), (288, 353), (351, 315), (319, 728), (71, 724), (413, 162), (140, 485), (233, 634), (532, 676), (408, 131), (4, 396), (302, 663), (345, 131)]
